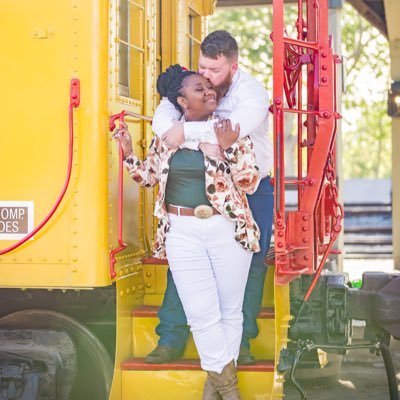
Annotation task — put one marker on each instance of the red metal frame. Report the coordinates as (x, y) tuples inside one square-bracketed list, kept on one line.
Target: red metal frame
[(304, 238)]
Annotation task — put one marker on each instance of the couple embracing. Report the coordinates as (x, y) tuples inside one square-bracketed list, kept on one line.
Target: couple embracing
[(211, 158)]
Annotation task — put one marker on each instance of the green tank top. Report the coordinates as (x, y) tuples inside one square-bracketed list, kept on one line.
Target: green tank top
[(186, 179)]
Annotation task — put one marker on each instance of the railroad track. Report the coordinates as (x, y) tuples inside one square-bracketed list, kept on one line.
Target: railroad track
[(368, 231)]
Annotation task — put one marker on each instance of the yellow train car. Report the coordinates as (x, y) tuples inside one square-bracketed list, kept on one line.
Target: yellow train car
[(74, 322)]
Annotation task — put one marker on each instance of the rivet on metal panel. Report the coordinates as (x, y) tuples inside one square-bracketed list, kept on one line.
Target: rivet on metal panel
[(74, 259), (128, 291), (121, 293), (141, 286), (148, 274), (133, 288), (148, 285)]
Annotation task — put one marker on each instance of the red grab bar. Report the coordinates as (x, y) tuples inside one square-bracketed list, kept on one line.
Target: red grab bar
[(74, 100), (121, 243)]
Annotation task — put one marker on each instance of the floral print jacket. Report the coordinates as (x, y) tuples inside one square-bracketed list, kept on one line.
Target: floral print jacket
[(227, 183)]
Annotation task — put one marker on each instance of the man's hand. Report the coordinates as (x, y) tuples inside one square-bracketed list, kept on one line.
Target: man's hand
[(212, 150), (174, 136), (226, 136)]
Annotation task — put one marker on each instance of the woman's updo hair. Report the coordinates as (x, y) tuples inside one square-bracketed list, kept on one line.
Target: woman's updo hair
[(169, 83)]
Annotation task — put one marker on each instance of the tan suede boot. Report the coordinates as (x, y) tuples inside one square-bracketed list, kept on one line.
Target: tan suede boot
[(226, 382), (209, 391)]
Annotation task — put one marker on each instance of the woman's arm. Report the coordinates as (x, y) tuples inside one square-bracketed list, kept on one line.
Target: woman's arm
[(147, 172)]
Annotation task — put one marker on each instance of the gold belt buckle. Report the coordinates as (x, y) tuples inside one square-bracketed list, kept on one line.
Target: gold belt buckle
[(203, 212)]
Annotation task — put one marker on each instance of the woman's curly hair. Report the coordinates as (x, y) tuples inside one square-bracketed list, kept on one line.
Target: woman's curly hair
[(170, 82)]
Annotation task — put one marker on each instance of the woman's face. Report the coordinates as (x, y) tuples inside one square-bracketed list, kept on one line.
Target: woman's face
[(199, 98)]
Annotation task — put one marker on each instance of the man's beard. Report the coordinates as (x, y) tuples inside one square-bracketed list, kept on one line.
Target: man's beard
[(223, 87)]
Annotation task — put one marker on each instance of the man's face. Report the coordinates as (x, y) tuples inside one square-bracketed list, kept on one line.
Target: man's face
[(218, 71)]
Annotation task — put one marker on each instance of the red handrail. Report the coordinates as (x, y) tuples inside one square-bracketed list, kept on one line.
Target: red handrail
[(74, 101), (121, 243)]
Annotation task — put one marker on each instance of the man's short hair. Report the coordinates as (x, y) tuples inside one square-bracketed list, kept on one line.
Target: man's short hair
[(219, 43)]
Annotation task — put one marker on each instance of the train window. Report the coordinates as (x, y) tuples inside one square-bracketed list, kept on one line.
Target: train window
[(130, 48), (195, 28)]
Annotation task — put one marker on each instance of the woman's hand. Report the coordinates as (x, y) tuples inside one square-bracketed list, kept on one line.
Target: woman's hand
[(226, 136), (212, 150), (123, 136)]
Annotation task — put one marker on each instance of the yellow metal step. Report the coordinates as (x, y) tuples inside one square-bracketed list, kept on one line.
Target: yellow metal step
[(184, 380), (144, 338)]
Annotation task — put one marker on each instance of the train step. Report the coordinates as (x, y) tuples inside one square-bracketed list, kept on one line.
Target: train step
[(184, 380), (144, 338)]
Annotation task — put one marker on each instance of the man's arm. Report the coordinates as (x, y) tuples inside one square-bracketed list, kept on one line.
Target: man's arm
[(164, 117), (166, 126)]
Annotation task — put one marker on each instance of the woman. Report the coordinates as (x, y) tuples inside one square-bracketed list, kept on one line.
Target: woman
[(205, 226)]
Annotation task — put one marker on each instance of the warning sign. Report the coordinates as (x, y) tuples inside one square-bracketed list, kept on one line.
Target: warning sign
[(16, 219)]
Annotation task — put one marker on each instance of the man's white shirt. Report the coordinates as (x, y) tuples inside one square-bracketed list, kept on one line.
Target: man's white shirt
[(246, 103)]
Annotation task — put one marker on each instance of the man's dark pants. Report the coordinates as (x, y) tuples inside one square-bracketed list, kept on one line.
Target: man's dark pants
[(173, 329)]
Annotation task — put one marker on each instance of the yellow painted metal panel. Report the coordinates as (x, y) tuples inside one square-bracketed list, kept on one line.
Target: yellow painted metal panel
[(129, 293), (282, 318), (48, 44)]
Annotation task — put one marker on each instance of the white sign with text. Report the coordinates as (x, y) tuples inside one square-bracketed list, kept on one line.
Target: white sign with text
[(16, 219)]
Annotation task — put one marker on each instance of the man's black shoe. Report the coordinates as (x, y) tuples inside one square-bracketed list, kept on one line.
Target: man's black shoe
[(245, 357), (163, 354)]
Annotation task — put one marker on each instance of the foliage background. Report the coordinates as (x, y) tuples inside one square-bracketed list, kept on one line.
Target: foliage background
[(366, 125)]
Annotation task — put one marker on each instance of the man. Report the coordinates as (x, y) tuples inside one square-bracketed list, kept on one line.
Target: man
[(244, 101)]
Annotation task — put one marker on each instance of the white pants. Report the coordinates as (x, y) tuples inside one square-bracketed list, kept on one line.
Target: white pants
[(210, 272)]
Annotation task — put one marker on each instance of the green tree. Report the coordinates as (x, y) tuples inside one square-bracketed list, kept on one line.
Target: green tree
[(366, 127)]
